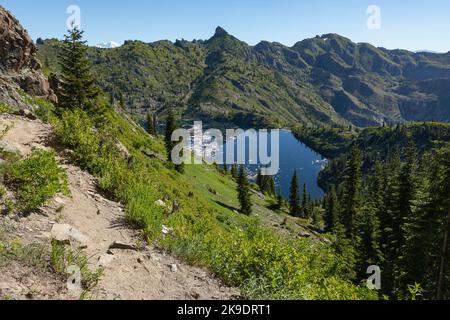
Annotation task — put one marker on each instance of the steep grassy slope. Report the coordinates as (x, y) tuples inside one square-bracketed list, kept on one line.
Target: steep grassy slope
[(206, 229), (323, 80)]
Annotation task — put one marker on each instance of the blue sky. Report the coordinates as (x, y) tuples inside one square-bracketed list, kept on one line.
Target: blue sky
[(412, 24)]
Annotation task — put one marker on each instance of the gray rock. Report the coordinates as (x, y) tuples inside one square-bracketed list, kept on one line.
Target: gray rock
[(67, 234), (105, 259), (122, 246)]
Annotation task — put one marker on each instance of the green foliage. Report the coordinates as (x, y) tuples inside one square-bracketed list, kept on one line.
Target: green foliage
[(205, 233), (244, 193), (62, 258), (351, 201), (415, 291), (34, 255), (42, 108), (266, 184), (388, 218), (294, 197), (152, 124), (171, 126), (77, 82), (35, 180), (4, 108), (234, 171)]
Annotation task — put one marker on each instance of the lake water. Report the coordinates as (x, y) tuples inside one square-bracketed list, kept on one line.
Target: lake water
[(294, 155)]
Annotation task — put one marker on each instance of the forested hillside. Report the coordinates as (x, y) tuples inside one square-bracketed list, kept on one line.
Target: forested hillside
[(388, 202), (324, 80)]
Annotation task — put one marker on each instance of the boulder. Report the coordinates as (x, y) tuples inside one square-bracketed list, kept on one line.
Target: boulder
[(66, 234), (19, 66), (105, 259)]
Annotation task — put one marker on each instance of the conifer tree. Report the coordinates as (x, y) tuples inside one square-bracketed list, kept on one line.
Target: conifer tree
[(259, 180), (225, 168), (435, 230), (280, 200), (77, 82), (170, 128), (244, 193), (391, 229), (344, 248), (331, 210), (152, 124), (272, 188), (351, 194), (305, 206), (367, 243), (294, 197), (234, 171)]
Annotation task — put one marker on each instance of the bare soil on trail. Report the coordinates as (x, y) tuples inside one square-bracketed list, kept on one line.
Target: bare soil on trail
[(145, 273)]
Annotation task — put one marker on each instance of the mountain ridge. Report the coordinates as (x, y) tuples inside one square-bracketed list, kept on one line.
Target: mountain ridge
[(327, 79)]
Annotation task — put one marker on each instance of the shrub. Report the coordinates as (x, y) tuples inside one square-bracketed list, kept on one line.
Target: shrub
[(4, 108), (63, 258), (36, 179)]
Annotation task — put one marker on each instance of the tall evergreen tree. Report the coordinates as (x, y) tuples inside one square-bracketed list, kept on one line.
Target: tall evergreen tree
[(77, 82), (225, 168), (405, 215), (171, 126), (390, 224), (367, 244), (244, 193), (152, 124), (234, 171), (435, 232), (331, 210), (294, 197), (351, 201), (305, 206), (415, 249), (280, 200), (259, 180)]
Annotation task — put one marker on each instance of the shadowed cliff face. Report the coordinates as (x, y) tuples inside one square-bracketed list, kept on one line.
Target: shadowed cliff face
[(19, 67), (17, 50)]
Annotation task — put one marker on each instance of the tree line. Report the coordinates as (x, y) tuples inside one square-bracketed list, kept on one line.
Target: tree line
[(396, 217)]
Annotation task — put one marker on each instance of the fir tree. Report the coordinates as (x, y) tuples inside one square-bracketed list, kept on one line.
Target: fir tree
[(244, 193), (294, 197), (77, 82), (280, 200), (225, 169), (234, 171), (391, 228), (152, 124), (331, 210), (351, 194), (171, 126), (259, 180), (305, 206), (272, 188)]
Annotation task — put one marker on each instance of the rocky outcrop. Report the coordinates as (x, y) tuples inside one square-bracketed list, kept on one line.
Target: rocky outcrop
[(19, 67)]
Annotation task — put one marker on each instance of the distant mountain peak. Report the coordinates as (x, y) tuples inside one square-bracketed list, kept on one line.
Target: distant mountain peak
[(107, 45), (220, 32)]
